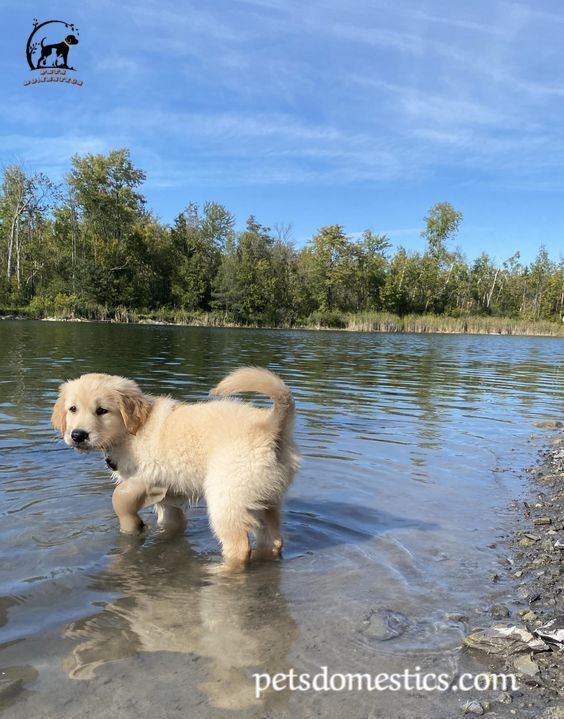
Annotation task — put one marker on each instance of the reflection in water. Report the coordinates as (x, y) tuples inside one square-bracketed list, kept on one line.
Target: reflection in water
[(169, 603)]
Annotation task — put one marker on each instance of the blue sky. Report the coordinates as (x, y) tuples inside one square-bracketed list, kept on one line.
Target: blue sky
[(363, 113)]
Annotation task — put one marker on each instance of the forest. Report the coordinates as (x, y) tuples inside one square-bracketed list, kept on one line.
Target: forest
[(89, 247)]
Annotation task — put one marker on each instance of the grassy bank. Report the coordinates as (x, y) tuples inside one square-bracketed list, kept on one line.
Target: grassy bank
[(382, 322), (353, 322)]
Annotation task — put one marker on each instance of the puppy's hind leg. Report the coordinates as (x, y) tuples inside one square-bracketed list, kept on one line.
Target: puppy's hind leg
[(269, 538), (170, 516), (231, 523)]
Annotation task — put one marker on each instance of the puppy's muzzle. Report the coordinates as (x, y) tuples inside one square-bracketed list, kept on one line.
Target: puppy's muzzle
[(78, 436)]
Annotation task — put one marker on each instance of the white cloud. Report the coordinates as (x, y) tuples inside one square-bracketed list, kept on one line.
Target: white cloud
[(265, 91)]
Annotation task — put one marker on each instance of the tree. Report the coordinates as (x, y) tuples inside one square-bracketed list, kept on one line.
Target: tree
[(538, 282), (104, 194), (25, 202), (395, 292), (441, 224), (104, 188), (198, 241), (437, 264), (485, 276), (256, 281), (328, 266), (372, 264), (91, 247)]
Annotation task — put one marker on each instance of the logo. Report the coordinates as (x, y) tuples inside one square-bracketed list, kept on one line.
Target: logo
[(49, 49)]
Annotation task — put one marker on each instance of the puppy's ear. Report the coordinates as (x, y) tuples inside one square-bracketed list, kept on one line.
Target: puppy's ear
[(134, 406), (59, 414)]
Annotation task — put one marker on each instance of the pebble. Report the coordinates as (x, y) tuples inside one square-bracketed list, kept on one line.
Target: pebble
[(504, 698), (504, 641), (556, 712), (499, 611), (552, 631), (526, 665), (539, 521), (456, 617), (474, 707), (384, 624)]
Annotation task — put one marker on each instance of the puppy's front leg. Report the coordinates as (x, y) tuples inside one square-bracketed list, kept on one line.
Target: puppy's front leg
[(128, 498)]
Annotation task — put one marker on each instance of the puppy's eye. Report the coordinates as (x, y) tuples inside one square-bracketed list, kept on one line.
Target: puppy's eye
[(101, 410), (72, 409)]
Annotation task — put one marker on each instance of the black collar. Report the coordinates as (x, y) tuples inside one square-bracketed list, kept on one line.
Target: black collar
[(111, 465)]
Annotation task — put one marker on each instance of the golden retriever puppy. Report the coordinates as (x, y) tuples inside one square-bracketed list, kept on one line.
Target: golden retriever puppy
[(162, 452)]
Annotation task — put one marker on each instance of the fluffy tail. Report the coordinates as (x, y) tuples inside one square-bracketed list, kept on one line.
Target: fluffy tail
[(257, 379)]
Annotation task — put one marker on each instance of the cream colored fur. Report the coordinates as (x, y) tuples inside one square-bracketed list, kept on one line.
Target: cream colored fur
[(239, 457)]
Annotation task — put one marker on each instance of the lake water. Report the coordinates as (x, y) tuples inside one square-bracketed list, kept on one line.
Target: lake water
[(413, 448)]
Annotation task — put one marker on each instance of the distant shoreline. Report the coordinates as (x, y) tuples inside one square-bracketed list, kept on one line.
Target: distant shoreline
[(366, 322)]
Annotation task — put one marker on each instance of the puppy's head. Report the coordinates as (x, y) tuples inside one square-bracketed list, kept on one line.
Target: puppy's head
[(71, 40), (97, 411)]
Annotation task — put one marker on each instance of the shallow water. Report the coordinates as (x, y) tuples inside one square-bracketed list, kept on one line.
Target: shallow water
[(412, 450)]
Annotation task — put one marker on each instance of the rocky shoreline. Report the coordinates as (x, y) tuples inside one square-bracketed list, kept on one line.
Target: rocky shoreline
[(527, 638)]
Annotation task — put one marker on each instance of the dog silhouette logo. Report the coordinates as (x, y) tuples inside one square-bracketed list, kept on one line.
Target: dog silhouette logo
[(50, 43)]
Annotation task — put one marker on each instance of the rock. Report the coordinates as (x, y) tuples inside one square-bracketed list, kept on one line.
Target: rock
[(540, 521), (474, 707), (552, 631), (556, 712), (523, 592), (384, 624), (504, 640), (548, 424), (525, 665), (456, 617), (503, 698), (529, 616), (499, 611), (559, 544)]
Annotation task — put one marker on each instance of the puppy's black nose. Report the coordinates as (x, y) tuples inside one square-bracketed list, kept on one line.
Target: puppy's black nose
[(79, 435)]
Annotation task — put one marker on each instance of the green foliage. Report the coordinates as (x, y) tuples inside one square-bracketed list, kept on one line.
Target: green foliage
[(91, 249), (441, 224), (253, 284), (198, 241)]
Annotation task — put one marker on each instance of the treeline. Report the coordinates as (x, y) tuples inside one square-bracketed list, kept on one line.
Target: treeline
[(90, 247)]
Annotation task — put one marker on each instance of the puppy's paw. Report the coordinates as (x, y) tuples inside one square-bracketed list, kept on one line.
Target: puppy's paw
[(227, 568), (266, 555), (132, 527)]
